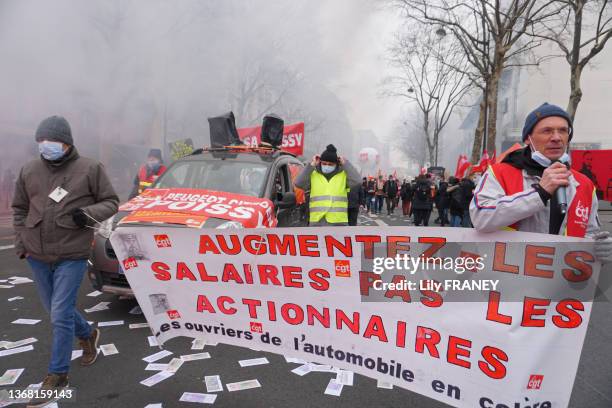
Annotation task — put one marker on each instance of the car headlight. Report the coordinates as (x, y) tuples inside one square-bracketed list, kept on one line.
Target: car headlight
[(105, 228), (230, 225)]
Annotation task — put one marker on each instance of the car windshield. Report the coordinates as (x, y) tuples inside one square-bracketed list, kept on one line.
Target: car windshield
[(220, 175)]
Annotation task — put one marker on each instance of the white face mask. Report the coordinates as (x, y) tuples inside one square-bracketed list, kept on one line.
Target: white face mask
[(544, 161), (327, 169)]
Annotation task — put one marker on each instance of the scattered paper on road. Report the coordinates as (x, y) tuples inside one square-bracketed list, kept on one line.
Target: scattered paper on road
[(99, 307), (95, 293), (16, 280), (136, 310), (25, 321), (152, 341), (321, 368), (156, 367), (109, 349), (198, 344), (294, 360), (198, 397), (253, 362), (111, 323), (384, 384), (302, 370), (76, 354), (243, 385), (157, 356), (174, 365), (16, 350), (10, 376), (157, 378), (344, 377), (157, 405), (213, 383), (198, 356), (334, 388), (138, 325), (15, 344)]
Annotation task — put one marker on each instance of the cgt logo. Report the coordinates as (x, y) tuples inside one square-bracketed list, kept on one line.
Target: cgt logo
[(129, 263), (256, 327), (343, 268), (162, 241), (582, 212), (535, 382), (173, 314)]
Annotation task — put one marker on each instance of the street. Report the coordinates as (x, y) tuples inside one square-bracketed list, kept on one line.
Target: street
[(114, 381)]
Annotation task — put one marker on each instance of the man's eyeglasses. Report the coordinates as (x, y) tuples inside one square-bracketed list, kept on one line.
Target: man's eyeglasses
[(549, 131)]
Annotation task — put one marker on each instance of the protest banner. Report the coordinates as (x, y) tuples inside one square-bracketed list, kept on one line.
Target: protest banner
[(192, 207), (498, 322), (293, 137)]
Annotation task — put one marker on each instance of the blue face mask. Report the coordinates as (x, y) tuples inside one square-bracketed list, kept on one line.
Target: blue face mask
[(51, 151), (327, 169)]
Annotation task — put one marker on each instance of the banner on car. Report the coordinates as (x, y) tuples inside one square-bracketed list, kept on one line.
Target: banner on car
[(469, 319), (192, 207), (293, 137)]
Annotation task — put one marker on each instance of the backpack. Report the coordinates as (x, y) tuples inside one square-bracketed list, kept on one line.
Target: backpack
[(423, 191)]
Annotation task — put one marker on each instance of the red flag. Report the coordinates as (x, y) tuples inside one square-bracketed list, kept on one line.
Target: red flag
[(462, 165), (482, 166)]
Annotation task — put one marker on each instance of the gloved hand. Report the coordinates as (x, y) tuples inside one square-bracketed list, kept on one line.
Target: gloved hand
[(603, 247), (79, 217)]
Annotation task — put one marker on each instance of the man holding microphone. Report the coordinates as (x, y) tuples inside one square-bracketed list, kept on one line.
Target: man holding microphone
[(534, 190)]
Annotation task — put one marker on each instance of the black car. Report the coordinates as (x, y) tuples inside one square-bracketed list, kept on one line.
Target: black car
[(255, 172)]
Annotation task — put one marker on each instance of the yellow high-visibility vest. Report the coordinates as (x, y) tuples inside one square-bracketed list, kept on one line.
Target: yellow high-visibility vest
[(328, 198)]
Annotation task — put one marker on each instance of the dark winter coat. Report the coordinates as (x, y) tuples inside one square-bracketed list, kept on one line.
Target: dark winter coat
[(44, 229), (422, 199)]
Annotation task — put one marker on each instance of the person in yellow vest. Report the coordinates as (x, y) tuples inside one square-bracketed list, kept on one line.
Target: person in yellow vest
[(328, 178), (520, 193), (149, 172)]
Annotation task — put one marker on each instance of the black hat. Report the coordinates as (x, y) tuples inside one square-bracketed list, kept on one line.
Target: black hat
[(155, 153), (54, 129), (330, 155)]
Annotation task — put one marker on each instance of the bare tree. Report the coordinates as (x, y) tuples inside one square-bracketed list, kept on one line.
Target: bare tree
[(428, 76), (408, 137), (492, 36), (581, 30)]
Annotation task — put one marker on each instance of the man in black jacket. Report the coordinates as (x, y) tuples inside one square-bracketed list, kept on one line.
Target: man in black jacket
[(390, 190), (422, 202)]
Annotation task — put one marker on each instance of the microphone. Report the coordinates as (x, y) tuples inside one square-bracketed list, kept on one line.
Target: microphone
[(561, 195)]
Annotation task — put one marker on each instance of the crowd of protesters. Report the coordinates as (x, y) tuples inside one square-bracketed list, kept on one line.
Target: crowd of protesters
[(419, 197)]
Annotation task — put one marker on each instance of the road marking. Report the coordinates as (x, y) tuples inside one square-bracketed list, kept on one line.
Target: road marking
[(6, 247), (381, 223)]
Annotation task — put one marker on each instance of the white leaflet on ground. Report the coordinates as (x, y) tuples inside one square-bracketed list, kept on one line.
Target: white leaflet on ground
[(26, 321), (198, 397), (157, 378), (16, 350), (243, 385), (157, 356), (213, 383), (253, 362), (384, 384), (197, 356), (138, 325), (344, 377), (111, 323), (109, 349), (334, 388)]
